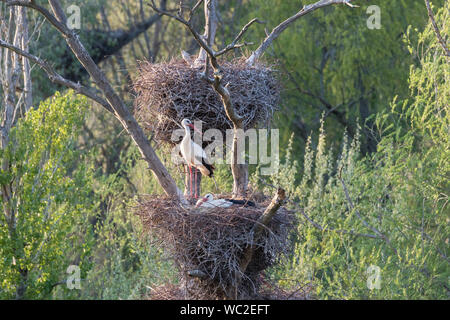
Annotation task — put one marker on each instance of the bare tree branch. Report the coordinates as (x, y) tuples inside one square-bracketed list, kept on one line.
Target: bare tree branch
[(121, 112), (240, 171), (210, 32), (436, 29), (61, 27), (56, 78), (257, 230), (199, 2), (180, 19), (26, 69), (283, 25), (200, 39), (234, 44), (375, 230)]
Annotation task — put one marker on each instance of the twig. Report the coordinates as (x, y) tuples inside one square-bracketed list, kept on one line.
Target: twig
[(57, 78), (436, 29), (375, 230), (234, 44), (199, 2), (257, 230), (283, 25)]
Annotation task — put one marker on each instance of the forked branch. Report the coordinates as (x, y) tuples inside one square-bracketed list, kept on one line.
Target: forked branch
[(436, 29), (260, 225), (122, 113), (57, 78), (286, 23)]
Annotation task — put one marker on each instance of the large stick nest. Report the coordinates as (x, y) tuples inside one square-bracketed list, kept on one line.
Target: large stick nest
[(268, 292), (168, 92), (211, 241)]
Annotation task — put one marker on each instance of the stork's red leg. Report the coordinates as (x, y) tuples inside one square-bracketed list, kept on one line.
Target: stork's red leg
[(195, 184), (190, 182)]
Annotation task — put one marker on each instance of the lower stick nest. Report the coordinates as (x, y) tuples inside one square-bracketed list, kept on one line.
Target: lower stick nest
[(207, 245), (168, 92)]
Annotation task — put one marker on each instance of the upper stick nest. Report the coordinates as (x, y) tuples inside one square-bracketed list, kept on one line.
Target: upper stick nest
[(212, 241), (168, 92)]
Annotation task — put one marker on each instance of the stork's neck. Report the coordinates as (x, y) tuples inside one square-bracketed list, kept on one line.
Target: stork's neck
[(187, 133)]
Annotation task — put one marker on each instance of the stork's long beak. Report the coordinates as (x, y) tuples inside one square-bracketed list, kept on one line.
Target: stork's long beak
[(201, 201), (193, 127)]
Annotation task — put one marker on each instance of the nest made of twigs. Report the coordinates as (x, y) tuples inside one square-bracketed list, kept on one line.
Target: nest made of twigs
[(211, 241), (268, 291), (168, 92)]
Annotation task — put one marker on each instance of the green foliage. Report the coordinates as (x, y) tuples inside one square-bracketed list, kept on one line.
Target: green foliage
[(125, 264), (409, 244), (331, 55), (50, 190), (73, 179), (388, 209)]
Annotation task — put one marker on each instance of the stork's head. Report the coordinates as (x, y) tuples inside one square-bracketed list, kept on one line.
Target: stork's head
[(206, 198), (187, 123)]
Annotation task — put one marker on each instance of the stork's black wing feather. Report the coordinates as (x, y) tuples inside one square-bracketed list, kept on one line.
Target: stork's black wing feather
[(246, 203), (210, 167)]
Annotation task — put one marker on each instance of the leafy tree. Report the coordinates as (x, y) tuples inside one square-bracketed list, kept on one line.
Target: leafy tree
[(332, 63), (384, 213), (50, 195)]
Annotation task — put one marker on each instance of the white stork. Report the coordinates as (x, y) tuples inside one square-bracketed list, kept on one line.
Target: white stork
[(208, 201), (193, 154)]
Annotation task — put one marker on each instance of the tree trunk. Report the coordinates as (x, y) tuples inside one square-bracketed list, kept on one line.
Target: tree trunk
[(210, 29), (239, 171), (15, 32), (257, 230), (26, 70), (120, 109)]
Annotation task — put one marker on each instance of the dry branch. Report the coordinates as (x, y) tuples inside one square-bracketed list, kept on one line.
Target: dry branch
[(436, 29), (256, 232), (57, 78), (58, 20), (286, 23)]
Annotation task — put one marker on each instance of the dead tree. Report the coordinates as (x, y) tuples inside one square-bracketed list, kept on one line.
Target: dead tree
[(104, 44), (240, 171), (110, 100), (17, 100), (209, 57)]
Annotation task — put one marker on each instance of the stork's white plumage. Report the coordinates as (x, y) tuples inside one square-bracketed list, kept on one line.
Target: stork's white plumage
[(208, 201), (187, 57), (192, 153)]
